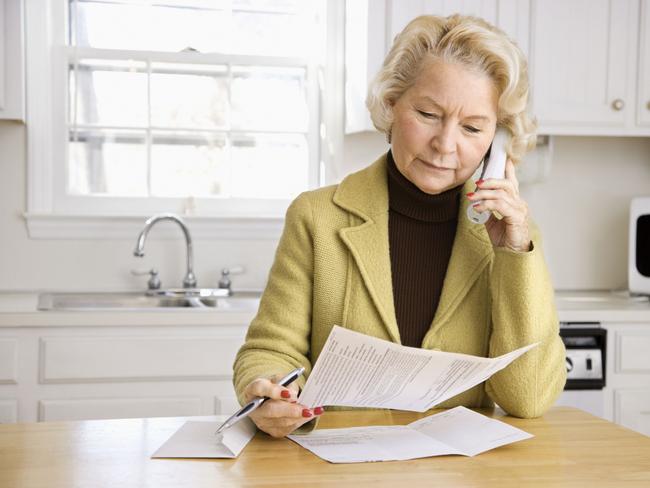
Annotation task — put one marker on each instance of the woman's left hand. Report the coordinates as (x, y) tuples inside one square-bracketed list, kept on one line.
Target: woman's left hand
[(502, 195)]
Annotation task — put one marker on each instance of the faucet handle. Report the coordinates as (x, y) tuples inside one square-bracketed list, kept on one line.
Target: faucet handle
[(154, 282), (225, 282), (233, 270)]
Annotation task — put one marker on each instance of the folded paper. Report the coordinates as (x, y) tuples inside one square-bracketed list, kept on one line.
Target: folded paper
[(455, 431), (197, 439)]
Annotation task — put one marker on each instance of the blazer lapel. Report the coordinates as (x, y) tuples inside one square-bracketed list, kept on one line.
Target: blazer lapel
[(365, 194)]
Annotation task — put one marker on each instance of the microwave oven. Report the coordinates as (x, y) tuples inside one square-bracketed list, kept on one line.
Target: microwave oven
[(639, 246)]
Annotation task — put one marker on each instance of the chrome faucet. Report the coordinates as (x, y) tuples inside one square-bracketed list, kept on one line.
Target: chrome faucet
[(190, 280)]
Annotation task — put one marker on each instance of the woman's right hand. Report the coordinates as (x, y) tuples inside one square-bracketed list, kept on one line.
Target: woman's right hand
[(281, 414)]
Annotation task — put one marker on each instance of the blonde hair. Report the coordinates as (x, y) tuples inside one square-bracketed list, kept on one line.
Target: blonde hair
[(466, 40)]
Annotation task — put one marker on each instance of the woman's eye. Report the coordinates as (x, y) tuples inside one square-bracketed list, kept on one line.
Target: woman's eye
[(428, 115), (471, 129)]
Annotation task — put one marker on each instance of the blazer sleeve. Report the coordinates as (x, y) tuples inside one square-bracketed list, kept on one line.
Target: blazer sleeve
[(523, 312), (277, 340)]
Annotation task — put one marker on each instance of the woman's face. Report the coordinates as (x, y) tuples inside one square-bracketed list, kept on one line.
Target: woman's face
[(443, 126)]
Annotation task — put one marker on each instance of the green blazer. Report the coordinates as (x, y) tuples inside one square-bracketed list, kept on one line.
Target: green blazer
[(332, 267)]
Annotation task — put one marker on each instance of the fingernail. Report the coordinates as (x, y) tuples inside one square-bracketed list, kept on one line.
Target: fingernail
[(285, 394), (318, 410), (479, 182), (470, 194), (306, 413), (476, 205)]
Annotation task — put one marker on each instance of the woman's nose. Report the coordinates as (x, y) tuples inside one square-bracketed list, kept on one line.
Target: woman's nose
[(444, 141)]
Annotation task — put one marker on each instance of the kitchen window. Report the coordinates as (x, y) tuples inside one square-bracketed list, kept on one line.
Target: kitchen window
[(203, 107)]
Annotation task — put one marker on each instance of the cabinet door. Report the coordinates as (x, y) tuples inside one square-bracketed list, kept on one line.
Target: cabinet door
[(643, 98), (584, 64), (632, 409)]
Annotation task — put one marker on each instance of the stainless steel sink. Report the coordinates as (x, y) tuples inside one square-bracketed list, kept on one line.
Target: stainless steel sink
[(174, 298)]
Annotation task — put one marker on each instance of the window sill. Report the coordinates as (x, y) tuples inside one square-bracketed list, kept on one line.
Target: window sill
[(103, 227)]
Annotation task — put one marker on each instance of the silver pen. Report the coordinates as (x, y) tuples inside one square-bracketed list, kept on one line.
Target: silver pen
[(253, 405)]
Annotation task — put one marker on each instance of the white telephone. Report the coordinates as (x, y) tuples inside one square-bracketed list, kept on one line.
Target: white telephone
[(494, 166)]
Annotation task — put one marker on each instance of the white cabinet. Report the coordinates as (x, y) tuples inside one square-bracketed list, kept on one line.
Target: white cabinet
[(628, 376), (585, 66), (371, 26), (111, 371), (589, 60), (12, 62)]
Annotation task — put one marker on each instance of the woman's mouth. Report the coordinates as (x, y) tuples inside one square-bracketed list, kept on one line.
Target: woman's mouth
[(433, 166)]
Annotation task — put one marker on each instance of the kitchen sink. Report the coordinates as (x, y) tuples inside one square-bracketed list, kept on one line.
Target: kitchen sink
[(205, 298)]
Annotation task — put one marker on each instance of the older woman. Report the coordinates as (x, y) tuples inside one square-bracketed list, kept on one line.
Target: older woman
[(389, 251)]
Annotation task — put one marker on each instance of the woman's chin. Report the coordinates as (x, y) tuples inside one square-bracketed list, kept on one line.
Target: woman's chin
[(430, 187)]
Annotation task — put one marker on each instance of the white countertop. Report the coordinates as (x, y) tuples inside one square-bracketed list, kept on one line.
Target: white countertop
[(601, 306), (20, 310)]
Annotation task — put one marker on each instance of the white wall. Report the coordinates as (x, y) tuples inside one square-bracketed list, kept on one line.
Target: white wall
[(582, 210)]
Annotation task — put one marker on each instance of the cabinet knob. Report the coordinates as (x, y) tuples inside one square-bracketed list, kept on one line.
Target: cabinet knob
[(618, 104)]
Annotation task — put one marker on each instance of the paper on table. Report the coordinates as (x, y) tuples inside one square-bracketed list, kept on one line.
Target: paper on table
[(356, 370), (455, 431), (197, 439)]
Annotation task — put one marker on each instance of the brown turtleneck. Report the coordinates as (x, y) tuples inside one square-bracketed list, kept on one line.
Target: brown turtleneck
[(421, 230)]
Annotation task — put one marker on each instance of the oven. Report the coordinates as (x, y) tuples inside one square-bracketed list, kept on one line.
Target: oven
[(586, 359)]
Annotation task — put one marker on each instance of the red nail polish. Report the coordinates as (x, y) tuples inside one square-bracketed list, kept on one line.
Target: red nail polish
[(318, 410), (479, 182), (306, 413), (285, 394), (470, 194)]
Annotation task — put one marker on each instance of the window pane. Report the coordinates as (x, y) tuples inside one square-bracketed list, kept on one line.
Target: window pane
[(269, 166), (269, 99), (250, 27), (110, 93), (270, 34), (185, 96), (188, 165), (149, 28), (107, 162)]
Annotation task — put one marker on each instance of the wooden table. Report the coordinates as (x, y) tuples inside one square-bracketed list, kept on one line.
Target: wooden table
[(570, 448)]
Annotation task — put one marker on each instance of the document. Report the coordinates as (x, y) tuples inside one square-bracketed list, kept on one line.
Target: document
[(197, 439), (356, 370), (456, 431)]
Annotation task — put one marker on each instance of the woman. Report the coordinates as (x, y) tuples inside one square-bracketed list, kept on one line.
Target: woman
[(389, 251)]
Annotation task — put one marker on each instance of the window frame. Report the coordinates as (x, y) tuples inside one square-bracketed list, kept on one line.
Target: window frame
[(53, 214)]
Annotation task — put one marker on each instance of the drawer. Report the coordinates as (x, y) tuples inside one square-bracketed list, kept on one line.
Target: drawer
[(115, 359), (117, 408), (632, 409), (633, 352)]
